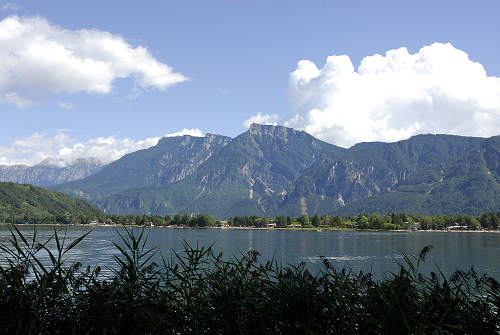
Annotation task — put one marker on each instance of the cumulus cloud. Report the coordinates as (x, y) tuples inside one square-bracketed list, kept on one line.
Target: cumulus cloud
[(196, 132), (268, 119), (66, 105), (394, 96), (63, 148), (37, 57)]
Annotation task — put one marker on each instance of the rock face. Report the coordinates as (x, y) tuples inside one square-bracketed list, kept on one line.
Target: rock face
[(274, 170), (49, 172), (171, 160)]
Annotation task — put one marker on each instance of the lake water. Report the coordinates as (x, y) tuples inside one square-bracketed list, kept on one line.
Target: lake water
[(376, 251)]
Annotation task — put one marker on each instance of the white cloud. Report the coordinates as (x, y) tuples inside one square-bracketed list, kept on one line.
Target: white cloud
[(11, 7), (268, 119), (66, 105), (196, 132), (37, 147), (392, 97), (37, 57)]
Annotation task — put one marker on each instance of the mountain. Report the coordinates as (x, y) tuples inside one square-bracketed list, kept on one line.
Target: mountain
[(33, 201), (252, 174), (274, 170), (370, 169), (171, 160), (49, 171), (468, 184)]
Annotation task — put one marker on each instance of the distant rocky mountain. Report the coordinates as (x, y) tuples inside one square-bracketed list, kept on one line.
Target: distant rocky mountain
[(274, 170), (50, 171)]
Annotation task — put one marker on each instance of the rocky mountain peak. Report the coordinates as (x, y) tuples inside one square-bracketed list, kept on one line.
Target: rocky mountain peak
[(51, 171), (51, 161), (61, 163), (270, 130)]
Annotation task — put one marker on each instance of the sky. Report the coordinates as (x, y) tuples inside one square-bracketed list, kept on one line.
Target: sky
[(100, 79)]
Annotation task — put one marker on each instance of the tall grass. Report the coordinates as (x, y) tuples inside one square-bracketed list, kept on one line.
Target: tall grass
[(198, 292)]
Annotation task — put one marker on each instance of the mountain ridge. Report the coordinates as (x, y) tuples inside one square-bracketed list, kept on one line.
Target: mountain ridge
[(50, 171), (275, 170)]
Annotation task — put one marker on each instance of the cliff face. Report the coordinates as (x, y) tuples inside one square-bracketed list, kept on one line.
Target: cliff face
[(274, 170), (171, 160), (49, 172)]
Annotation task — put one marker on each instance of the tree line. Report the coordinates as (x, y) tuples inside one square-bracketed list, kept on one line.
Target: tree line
[(389, 221)]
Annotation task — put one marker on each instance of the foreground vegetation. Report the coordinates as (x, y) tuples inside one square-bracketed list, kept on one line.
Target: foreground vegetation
[(200, 292)]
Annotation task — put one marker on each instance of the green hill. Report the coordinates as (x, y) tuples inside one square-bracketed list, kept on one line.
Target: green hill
[(23, 200)]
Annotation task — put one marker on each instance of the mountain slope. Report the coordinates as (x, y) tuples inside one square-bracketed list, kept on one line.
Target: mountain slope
[(21, 199), (369, 169), (274, 170), (171, 160), (468, 184), (251, 175)]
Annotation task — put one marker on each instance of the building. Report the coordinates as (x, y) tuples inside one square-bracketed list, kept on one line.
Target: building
[(294, 225)]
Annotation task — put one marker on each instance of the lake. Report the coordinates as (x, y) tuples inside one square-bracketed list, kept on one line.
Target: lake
[(376, 251)]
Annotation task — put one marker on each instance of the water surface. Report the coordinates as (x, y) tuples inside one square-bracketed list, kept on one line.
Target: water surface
[(376, 251)]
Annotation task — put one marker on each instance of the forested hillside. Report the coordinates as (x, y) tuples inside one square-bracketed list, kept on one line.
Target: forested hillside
[(20, 202)]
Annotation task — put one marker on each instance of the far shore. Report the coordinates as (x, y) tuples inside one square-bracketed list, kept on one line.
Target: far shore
[(318, 229)]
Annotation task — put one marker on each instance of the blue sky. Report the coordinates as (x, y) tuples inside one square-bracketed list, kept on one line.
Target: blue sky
[(238, 57)]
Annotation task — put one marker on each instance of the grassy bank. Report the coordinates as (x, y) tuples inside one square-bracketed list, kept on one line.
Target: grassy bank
[(199, 292)]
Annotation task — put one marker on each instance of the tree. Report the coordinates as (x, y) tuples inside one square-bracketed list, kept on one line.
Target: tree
[(489, 221), (304, 220), (281, 221), (203, 220), (157, 220), (376, 221), (177, 220), (187, 219), (316, 221), (362, 221)]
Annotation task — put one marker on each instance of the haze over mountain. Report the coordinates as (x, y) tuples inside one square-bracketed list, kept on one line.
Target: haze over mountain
[(274, 170), (50, 171)]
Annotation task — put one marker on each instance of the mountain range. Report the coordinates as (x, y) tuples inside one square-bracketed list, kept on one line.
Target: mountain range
[(274, 170), (50, 171)]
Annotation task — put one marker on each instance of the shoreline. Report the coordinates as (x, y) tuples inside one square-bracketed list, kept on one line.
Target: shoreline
[(319, 229)]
